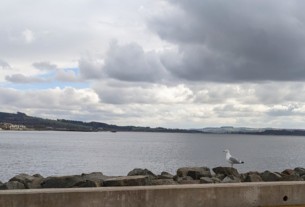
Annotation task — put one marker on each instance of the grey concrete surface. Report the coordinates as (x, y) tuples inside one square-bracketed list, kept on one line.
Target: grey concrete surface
[(197, 195)]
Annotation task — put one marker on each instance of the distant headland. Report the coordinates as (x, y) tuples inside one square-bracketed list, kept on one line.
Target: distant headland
[(21, 121)]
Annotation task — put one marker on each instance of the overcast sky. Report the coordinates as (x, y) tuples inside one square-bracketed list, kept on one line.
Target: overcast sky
[(168, 63)]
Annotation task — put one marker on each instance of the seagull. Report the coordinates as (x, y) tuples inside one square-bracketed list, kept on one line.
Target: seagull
[(232, 160)]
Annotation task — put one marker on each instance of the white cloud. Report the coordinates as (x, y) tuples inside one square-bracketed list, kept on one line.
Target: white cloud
[(155, 94), (28, 36)]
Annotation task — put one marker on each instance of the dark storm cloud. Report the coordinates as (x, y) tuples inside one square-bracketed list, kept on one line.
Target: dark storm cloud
[(131, 63), (237, 40)]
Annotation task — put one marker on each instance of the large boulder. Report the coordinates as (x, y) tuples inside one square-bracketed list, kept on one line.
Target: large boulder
[(136, 180), (288, 172), (165, 175), (140, 171), (62, 181), (268, 176), (226, 171), (96, 177), (29, 181), (291, 178), (86, 184), (231, 179), (195, 172), (300, 171), (178, 179), (253, 177), (206, 180), (12, 185)]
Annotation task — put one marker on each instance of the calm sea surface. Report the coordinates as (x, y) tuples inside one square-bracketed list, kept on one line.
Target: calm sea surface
[(67, 153)]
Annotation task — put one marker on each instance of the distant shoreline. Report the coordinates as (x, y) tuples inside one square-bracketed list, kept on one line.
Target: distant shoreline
[(22, 122)]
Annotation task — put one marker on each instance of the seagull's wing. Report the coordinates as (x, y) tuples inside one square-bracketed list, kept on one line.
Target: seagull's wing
[(234, 160)]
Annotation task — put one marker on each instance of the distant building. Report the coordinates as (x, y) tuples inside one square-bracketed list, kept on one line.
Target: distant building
[(9, 126)]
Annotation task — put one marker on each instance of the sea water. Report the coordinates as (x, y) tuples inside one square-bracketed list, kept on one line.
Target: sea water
[(69, 153)]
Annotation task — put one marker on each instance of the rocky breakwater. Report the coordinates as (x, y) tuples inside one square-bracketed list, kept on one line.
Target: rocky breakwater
[(142, 177)]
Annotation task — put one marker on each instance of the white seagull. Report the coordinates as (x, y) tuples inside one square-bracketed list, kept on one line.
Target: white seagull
[(232, 160)]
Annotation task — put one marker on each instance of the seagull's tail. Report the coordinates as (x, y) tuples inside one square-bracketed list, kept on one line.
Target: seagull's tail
[(242, 162)]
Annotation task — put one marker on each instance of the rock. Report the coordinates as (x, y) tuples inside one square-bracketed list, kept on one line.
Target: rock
[(253, 177), (216, 180), (288, 172), (195, 172), (227, 171), (165, 175), (87, 184), (139, 171), (206, 180), (268, 176), (163, 182), (12, 185), (291, 178), (220, 176), (231, 179), (37, 176), (62, 181), (300, 171), (96, 177), (30, 182), (136, 180), (177, 178)]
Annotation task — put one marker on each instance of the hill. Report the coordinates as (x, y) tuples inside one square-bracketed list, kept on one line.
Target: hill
[(21, 121), (36, 123)]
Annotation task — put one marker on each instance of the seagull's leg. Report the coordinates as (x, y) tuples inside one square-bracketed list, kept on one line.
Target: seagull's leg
[(231, 164)]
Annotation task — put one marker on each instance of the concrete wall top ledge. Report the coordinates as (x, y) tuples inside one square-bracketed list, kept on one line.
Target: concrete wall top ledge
[(158, 187), (195, 195)]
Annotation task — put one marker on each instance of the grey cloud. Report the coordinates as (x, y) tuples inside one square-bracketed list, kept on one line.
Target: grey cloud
[(233, 111), (280, 112), (290, 110), (131, 63), (66, 76), (45, 65), (229, 41), (126, 95), (20, 78), (279, 93), (90, 68)]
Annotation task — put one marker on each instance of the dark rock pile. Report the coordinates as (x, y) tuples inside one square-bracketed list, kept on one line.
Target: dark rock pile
[(142, 177)]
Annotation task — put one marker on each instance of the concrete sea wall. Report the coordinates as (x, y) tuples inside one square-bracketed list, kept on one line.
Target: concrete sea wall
[(195, 195)]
